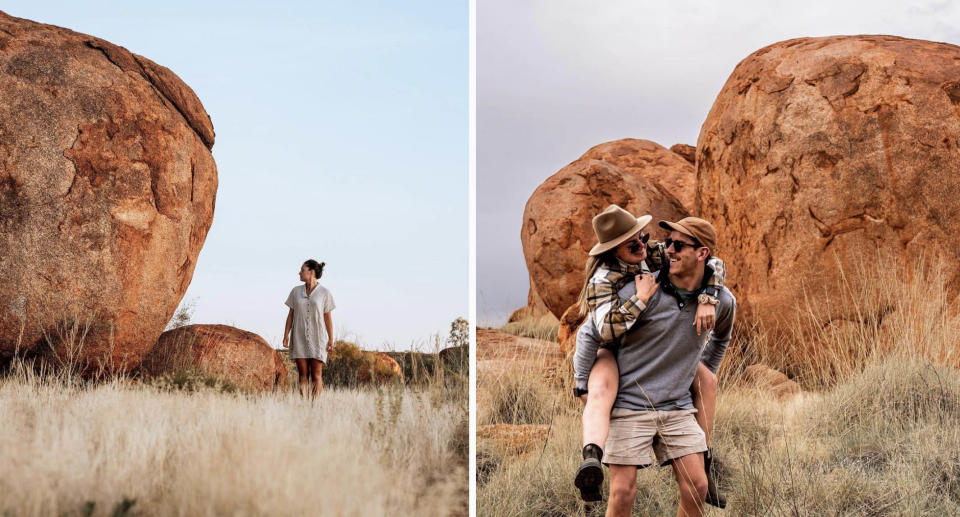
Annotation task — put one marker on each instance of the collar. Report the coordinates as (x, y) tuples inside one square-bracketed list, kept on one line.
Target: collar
[(631, 269)]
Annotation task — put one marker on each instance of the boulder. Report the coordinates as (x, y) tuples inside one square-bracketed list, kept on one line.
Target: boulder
[(241, 358), (557, 230), (570, 323), (348, 365), (107, 191), (383, 368), (688, 152), (767, 379), (820, 154), (674, 170)]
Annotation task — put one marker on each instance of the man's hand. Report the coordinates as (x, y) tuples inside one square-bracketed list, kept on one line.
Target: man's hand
[(286, 341), (329, 347), (646, 285), (706, 317)]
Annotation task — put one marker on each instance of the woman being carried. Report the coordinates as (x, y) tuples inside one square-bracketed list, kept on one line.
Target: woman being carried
[(622, 254)]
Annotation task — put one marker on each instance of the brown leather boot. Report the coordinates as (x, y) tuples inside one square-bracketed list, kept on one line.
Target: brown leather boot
[(590, 474), (714, 467)]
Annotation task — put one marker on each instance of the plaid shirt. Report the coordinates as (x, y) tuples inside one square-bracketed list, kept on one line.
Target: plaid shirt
[(613, 318)]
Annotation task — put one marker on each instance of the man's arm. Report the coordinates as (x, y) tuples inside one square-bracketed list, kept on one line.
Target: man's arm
[(716, 347)]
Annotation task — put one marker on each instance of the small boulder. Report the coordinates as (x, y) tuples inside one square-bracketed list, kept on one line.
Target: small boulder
[(348, 365), (237, 356), (770, 380)]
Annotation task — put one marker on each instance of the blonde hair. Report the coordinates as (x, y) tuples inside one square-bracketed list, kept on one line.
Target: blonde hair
[(593, 263)]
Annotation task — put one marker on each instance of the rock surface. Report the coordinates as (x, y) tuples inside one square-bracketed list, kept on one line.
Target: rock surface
[(384, 369), (770, 380), (650, 160), (516, 439), (570, 323), (107, 189), (688, 152), (820, 151), (242, 358), (557, 228), (349, 365)]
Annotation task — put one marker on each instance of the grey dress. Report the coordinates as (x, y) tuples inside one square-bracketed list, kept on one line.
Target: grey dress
[(308, 337)]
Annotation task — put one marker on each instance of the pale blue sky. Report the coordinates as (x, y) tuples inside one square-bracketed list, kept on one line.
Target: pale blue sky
[(342, 135)]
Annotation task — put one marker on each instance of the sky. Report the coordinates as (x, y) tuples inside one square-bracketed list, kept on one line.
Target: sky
[(342, 135), (556, 77)]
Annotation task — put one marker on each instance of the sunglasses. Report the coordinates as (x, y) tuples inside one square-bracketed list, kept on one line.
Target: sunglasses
[(636, 245), (679, 245)]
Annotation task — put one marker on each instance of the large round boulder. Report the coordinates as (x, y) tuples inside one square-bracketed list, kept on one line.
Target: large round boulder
[(107, 189), (237, 356), (822, 154), (557, 231)]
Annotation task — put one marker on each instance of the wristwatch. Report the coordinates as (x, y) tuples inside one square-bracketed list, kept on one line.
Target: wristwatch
[(706, 298)]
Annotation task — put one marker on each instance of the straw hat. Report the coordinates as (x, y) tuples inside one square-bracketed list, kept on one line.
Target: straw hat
[(614, 226)]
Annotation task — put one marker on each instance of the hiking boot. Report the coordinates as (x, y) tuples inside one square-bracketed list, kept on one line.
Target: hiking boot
[(590, 474), (714, 468)]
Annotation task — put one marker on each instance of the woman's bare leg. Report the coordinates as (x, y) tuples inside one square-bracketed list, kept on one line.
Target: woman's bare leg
[(704, 398), (303, 375), (602, 388), (316, 369)]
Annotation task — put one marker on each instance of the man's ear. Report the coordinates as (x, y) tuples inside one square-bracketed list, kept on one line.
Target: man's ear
[(702, 254)]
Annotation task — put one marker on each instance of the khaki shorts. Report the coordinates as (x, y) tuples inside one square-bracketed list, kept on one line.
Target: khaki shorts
[(640, 437)]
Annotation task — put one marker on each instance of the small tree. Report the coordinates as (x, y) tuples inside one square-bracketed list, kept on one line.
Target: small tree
[(459, 333), (183, 316), (457, 356)]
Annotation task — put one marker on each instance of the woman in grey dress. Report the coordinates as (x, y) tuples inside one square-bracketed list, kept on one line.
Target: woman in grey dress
[(309, 328)]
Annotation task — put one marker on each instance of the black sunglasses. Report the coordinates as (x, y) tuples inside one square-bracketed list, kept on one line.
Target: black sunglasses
[(678, 245), (635, 246)]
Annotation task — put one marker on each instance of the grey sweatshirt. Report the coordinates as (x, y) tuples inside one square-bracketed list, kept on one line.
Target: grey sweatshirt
[(658, 356)]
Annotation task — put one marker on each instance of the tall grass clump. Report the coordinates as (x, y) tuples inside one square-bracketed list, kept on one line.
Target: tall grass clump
[(537, 327), (877, 307)]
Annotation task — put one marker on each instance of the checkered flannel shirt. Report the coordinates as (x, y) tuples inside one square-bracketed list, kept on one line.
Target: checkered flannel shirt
[(613, 318)]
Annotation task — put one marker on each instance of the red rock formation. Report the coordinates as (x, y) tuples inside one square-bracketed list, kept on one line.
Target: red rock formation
[(557, 229), (107, 190), (570, 323), (821, 151), (281, 372), (770, 380), (688, 152), (382, 368), (653, 162), (242, 358)]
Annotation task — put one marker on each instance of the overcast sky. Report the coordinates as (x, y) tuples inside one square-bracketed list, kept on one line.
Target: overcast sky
[(342, 135), (556, 77)]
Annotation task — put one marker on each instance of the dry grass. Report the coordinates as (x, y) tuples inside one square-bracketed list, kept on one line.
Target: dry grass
[(541, 327), (879, 433), (120, 447)]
